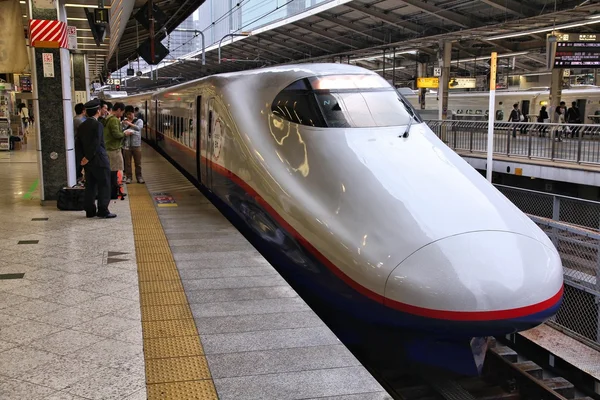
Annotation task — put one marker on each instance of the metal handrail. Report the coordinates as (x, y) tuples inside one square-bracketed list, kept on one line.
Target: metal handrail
[(568, 142)]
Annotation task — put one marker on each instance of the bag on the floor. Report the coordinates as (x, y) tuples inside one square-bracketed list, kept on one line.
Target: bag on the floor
[(71, 199)]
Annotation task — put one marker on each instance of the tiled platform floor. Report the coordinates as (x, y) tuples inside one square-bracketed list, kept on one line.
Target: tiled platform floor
[(70, 328)]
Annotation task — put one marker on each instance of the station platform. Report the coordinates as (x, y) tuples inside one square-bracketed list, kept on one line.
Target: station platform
[(167, 301)]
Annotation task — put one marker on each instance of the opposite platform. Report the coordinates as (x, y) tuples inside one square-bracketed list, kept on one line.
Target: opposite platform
[(258, 337)]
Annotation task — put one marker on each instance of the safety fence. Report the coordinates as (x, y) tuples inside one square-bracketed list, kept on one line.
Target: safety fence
[(555, 142), (573, 226)]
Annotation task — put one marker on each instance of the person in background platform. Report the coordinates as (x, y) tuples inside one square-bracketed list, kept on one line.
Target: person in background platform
[(90, 143), (80, 116), (559, 118), (574, 118), (515, 116), (113, 140), (139, 115), (133, 144), (24, 114), (543, 118)]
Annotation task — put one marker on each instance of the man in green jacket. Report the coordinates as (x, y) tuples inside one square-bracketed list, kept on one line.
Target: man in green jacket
[(113, 140)]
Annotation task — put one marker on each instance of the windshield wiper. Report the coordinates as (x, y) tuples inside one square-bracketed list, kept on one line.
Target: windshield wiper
[(407, 131)]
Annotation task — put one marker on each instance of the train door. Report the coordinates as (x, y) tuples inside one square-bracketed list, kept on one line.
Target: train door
[(525, 104), (199, 169), (210, 147), (208, 142), (156, 119), (146, 119)]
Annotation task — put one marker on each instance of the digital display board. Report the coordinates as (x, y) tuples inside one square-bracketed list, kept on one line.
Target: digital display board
[(577, 50)]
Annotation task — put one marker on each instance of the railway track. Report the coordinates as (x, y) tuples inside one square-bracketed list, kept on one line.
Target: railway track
[(506, 376)]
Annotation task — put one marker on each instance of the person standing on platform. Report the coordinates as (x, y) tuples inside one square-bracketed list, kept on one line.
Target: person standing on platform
[(138, 114), (574, 117), (113, 140), (133, 145), (104, 110), (24, 114), (515, 116), (90, 143), (80, 116)]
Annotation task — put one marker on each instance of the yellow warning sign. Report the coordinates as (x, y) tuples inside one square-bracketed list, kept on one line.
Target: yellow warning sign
[(428, 83)]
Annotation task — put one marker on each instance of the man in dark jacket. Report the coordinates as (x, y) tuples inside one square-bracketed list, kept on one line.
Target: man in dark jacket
[(574, 117), (90, 143)]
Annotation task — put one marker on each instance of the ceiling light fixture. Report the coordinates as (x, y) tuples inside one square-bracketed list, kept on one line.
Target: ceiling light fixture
[(594, 20)]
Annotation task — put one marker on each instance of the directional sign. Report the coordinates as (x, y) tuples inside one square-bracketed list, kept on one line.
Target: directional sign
[(428, 83)]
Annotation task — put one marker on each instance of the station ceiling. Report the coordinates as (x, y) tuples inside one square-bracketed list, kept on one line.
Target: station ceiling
[(359, 31), (121, 40)]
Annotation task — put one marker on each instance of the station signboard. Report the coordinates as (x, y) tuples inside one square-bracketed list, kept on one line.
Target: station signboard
[(577, 50), (462, 83), (428, 83)]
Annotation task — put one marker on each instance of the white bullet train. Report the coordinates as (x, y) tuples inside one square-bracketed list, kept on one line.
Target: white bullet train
[(337, 182)]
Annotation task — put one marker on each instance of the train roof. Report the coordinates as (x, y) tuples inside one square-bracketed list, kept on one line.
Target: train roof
[(272, 80)]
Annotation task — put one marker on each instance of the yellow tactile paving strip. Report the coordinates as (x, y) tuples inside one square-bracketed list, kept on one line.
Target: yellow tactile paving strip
[(176, 367)]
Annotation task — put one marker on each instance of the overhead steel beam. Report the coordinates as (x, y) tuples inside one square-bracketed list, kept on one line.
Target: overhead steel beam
[(287, 47), (520, 9), (361, 30), (266, 49), (446, 15), (301, 39), (385, 17), (327, 35)]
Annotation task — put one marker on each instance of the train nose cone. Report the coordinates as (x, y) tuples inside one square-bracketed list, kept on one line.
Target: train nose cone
[(479, 276)]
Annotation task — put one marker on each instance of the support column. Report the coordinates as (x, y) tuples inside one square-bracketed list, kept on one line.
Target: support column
[(36, 108), (555, 92), (55, 112), (422, 72), (88, 84), (80, 87), (446, 58)]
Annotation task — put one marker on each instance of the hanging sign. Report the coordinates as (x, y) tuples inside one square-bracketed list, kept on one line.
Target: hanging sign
[(462, 83), (428, 83), (72, 37), (437, 71), (48, 63)]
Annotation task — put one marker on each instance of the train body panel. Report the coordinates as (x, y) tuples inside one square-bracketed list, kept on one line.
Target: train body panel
[(399, 230)]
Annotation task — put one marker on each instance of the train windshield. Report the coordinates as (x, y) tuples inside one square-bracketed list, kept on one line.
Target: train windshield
[(343, 101)]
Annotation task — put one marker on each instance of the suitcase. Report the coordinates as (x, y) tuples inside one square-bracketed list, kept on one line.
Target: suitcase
[(71, 199)]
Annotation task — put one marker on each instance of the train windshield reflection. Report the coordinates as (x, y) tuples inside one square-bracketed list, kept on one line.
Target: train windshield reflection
[(347, 101)]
